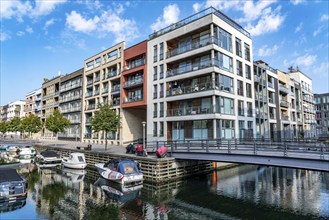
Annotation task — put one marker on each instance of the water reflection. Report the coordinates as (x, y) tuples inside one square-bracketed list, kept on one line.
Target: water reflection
[(241, 193)]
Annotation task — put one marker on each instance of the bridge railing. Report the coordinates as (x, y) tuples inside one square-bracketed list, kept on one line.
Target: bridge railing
[(236, 146)]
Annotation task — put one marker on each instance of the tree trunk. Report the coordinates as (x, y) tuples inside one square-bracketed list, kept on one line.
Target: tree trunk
[(105, 141)]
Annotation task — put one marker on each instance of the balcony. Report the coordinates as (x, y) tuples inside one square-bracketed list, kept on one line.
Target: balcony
[(96, 92), (197, 110), (260, 97), (284, 117), (115, 102), (115, 89), (284, 89), (272, 116), (133, 99), (72, 109), (69, 98), (284, 104), (192, 46), (270, 84), (89, 67), (105, 90), (88, 120), (97, 79), (90, 107), (89, 94), (194, 67), (137, 63), (89, 82), (134, 83), (111, 74), (190, 89)]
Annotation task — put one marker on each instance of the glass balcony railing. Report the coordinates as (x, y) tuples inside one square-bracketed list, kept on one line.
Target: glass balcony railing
[(196, 110), (89, 94), (284, 103), (190, 89), (133, 83), (136, 63), (133, 99)]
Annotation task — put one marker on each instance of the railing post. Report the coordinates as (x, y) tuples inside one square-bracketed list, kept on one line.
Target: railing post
[(255, 148), (157, 145), (207, 146), (202, 145), (285, 149), (229, 146), (321, 153), (188, 146), (236, 143)]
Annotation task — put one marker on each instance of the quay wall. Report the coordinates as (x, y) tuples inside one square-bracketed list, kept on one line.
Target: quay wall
[(154, 169)]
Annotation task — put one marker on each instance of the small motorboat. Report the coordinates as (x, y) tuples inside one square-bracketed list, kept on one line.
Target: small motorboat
[(75, 161), (48, 158), (11, 150), (12, 185), (125, 172), (26, 152), (74, 175)]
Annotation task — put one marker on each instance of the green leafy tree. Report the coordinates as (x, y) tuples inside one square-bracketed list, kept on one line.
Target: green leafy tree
[(3, 127), (106, 120), (31, 124), (57, 122), (14, 125)]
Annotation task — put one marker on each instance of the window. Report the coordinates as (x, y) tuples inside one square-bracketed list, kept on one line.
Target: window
[(161, 71), (240, 87), (225, 62), (161, 90), (240, 108), (155, 91), (155, 73), (155, 110), (247, 71), (227, 129), (161, 109), (161, 52), (155, 129), (249, 109), (238, 49), (200, 129), (224, 39), (161, 129), (248, 90), (246, 52), (239, 68), (250, 126), (224, 83), (226, 106), (155, 53)]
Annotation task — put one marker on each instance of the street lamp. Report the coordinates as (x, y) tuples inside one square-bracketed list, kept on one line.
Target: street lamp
[(144, 124)]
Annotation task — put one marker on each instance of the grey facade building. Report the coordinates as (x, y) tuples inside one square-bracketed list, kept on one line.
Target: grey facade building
[(322, 113)]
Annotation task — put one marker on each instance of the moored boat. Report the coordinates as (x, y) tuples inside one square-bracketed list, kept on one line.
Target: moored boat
[(12, 185), (48, 158), (125, 172), (26, 152), (75, 161)]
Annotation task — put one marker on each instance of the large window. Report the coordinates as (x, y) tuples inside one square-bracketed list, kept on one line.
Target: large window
[(240, 108), (249, 109), (225, 62), (161, 129), (248, 90), (240, 87), (155, 110), (161, 52), (200, 129), (155, 53), (225, 83), (161, 71), (226, 106), (155, 91), (246, 52), (155, 73), (161, 109), (247, 71), (227, 129), (239, 68), (155, 129), (224, 39), (238, 49)]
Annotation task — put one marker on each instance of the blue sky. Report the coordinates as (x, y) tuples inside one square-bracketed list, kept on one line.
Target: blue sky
[(39, 39)]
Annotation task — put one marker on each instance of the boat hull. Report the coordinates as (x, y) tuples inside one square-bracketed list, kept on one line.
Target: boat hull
[(74, 165)]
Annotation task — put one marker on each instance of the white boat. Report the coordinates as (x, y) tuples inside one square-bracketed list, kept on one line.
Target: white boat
[(12, 150), (74, 175), (48, 158), (125, 172), (75, 161), (26, 152)]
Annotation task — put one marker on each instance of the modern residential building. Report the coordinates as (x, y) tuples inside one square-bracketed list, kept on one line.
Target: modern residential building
[(12, 110), (306, 103), (33, 103), (70, 104), (4, 111), (134, 91), (102, 84), (266, 90), (50, 101), (322, 113), (200, 80)]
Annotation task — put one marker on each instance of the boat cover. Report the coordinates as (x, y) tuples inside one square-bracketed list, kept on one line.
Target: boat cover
[(49, 154), (8, 175)]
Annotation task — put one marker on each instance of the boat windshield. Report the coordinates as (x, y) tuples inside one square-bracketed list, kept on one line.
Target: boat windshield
[(80, 158), (128, 167)]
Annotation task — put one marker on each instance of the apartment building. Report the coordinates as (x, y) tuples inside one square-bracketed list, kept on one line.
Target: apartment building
[(199, 78), (33, 103), (50, 101), (70, 99), (266, 90), (306, 103), (4, 111), (102, 84), (134, 91), (13, 109), (322, 113)]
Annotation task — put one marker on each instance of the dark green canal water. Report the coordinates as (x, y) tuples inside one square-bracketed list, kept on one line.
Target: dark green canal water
[(244, 192)]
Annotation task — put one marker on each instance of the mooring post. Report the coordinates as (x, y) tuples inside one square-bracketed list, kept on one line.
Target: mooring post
[(229, 146)]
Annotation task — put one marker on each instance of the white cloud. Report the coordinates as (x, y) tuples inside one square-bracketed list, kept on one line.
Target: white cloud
[(306, 60), (10, 9), (223, 5), (299, 27), (4, 36), (270, 21), (170, 15), (76, 22), (49, 23), (45, 7), (252, 11), (324, 17), (20, 33), (266, 51), (108, 22), (196, 7), (28, 29), (297, 2), (322, 70), (317, 31)]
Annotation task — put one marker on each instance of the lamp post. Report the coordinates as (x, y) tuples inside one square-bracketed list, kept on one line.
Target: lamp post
[(144, 124)]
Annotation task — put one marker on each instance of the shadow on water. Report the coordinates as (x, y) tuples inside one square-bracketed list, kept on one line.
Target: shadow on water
[(245, 192)]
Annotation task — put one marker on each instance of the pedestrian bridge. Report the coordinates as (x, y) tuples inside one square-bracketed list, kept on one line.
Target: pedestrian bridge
[(305, 155)]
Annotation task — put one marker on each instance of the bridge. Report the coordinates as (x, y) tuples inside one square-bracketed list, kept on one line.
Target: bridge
[(312, 155)]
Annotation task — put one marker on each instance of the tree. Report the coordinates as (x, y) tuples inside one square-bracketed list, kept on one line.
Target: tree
[(57, 122), (14, 124), (3, 127), (106, 120), (31, 124)]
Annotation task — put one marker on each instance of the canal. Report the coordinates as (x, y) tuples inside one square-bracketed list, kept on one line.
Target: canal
[(244, 192)]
